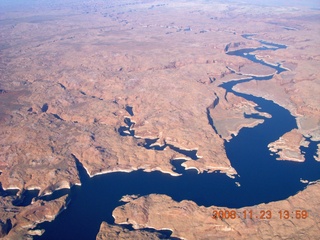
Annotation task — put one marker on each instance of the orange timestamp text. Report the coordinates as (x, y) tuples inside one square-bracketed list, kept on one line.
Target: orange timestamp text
[(259, 214)]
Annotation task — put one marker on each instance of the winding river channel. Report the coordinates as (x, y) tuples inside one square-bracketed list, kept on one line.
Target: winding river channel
[(262, 178)]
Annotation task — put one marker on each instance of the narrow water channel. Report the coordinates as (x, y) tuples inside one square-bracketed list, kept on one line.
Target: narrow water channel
[(262, 178)]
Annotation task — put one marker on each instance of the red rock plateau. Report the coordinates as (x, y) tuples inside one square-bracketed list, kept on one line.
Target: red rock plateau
[(72, 71), (187, 220), (288, 146)]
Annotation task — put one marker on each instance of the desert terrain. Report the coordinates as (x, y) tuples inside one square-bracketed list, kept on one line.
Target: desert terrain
[(97, 81)]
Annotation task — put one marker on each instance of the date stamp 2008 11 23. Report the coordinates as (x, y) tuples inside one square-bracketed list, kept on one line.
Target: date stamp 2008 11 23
[(260, 214)]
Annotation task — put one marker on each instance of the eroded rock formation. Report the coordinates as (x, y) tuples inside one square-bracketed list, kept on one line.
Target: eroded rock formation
[(288, 145), (187, 220), (72, 73)]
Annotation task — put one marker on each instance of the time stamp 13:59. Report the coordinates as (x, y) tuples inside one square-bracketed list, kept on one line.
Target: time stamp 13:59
[(259, 214)]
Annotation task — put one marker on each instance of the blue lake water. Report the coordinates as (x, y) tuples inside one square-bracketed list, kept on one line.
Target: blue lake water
[(262, 178)]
